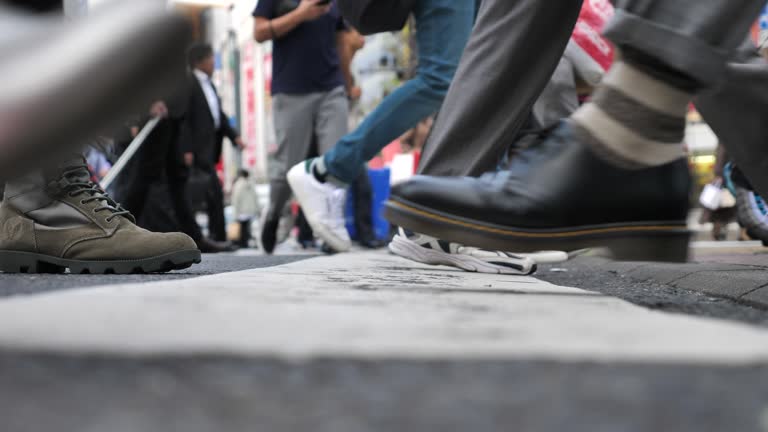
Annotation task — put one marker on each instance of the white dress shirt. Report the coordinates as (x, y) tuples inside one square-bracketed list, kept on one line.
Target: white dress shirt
[(210, 96)]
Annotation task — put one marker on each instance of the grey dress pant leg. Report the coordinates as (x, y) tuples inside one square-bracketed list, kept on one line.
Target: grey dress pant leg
[(297, 119), (513, 51), (695, 37), (701, 38)]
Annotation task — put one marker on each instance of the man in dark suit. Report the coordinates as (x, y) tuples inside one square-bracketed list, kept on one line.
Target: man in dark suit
[(205, 126), (159, 161)]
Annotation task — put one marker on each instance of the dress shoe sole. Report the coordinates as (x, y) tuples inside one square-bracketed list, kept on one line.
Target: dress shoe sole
[(633, 241), (25, 262)]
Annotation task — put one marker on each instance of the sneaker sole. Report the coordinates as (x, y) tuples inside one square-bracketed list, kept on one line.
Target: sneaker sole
[(410, 250), (641, 241), (547, 257), (319, 229), (24, 262)]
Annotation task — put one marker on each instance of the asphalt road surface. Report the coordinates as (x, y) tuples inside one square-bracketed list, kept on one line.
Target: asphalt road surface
[(22, 284)]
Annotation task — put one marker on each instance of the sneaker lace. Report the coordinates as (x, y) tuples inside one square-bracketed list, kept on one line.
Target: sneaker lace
[(75, 180)]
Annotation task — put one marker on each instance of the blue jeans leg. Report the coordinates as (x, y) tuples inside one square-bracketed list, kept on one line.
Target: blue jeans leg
[(443, 28)]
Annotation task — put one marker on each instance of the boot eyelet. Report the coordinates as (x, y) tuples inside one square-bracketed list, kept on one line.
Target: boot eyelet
[(82, 202)]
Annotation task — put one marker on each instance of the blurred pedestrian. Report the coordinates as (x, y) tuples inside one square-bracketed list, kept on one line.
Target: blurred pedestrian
[(158, 168), (245, 202), (203, 130), (725, 213), (310, 85)]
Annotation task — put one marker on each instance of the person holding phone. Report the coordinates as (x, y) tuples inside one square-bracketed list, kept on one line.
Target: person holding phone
[(310, 83)]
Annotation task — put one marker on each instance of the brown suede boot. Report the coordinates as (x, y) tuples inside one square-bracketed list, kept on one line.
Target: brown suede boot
[(53, 222)]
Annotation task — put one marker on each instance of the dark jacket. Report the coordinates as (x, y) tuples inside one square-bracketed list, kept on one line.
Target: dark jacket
[(199, 135)]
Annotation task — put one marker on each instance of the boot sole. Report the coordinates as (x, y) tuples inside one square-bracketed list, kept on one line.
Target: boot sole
[(639, 241), (24, 262)]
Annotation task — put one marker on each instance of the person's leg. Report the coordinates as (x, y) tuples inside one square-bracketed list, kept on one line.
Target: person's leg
[(245, 233), (216, 221), (306, 237), (361, 188), (488, 106), (323, 204), (617, 177), (146, 168), (443, 28), (294, 116), (176, 175), (58, 219), (670, 50), (331, 120), (558, 101), (514, 48), (736, 112)]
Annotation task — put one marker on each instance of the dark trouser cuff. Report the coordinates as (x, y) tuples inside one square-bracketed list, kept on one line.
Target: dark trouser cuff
[(685, 53)]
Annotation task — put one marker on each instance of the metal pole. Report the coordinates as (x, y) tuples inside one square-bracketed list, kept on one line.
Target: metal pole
[(135, 145)]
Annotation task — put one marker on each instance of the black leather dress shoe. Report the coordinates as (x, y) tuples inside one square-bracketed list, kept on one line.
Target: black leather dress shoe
[(210, 246), (568, 200), (62, 82)]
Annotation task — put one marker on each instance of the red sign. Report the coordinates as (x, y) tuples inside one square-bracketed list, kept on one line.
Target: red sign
[(595, 14), (250, 132)]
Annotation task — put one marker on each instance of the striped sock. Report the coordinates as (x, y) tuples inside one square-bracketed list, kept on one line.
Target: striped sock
[(633, 120)]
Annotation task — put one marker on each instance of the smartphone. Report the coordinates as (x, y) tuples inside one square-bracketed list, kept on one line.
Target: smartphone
[(323, 2)]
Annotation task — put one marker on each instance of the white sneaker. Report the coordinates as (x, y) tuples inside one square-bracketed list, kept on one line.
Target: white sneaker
[(323, 205), (432, 251)]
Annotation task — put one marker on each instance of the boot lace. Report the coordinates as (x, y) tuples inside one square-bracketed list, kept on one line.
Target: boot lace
[(75, 180)]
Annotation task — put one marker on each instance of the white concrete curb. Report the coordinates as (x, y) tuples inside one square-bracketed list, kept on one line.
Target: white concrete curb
[(368, 305)]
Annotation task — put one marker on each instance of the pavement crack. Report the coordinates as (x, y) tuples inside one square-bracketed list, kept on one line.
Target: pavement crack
[(752, 291)]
